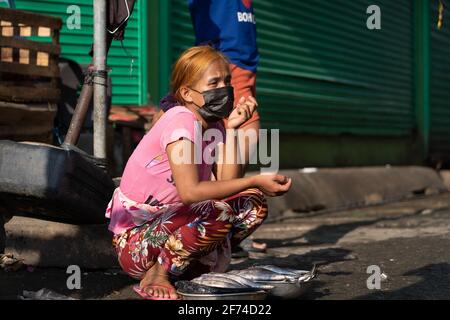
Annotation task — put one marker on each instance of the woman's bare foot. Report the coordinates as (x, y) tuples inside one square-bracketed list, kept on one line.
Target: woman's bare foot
[(156, 283)]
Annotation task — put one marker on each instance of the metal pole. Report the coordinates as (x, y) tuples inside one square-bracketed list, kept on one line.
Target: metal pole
[(79, 115), (100, 79)]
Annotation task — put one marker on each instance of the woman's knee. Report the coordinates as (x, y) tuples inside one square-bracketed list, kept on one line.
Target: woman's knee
[(223, 214), (215, 211), (263, 208), (258, 202)]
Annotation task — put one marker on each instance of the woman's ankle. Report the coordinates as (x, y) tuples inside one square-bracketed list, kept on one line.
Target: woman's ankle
[(156, 272)]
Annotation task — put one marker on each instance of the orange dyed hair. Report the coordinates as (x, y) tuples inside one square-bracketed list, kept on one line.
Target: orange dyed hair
[(190, 67)]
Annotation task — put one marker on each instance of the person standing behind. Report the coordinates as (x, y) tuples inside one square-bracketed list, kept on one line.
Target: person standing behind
[(230, 27)]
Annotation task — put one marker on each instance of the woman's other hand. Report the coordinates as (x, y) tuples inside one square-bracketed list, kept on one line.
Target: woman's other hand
[(243, 111), (272, 184)]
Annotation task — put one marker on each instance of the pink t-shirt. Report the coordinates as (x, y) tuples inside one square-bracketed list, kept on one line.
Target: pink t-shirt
[(148, 179)]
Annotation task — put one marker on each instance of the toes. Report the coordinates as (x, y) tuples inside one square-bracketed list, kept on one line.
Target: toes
[(173, 295), (161, 292), (166, 294)]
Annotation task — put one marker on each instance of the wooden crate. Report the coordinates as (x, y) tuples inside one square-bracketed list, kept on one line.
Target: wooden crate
[(27, 122), (29, 69)]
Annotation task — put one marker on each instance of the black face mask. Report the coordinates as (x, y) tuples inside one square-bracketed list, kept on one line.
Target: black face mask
[(218, 103)]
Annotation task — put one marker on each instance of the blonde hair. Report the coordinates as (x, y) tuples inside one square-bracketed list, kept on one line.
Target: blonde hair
[(190, 67)]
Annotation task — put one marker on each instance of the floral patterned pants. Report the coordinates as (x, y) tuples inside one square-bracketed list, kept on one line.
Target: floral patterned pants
[(182, 234)]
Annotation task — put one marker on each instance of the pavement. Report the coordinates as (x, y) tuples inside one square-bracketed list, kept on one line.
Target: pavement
[(408, 240)]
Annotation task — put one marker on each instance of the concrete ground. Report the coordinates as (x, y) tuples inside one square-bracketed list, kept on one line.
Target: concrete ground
[(409, 241)]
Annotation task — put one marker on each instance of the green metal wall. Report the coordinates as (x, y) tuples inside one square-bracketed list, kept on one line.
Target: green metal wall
[(327, 73), (129, 86), (322, 71), (170, 32), (439, 146), (182, 33)]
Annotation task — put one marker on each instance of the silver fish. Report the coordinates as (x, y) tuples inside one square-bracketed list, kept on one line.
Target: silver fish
[(308, 275), (261, 274), (284, 271), (292, 275), (218, 283), (244, 281), (215, 281), (225, 280)]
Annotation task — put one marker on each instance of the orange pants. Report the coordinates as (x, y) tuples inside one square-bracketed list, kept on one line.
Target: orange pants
[(244, 84)]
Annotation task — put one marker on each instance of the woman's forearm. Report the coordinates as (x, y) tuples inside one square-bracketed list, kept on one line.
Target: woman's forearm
[(229, 166), (186, 178), (206, 190)]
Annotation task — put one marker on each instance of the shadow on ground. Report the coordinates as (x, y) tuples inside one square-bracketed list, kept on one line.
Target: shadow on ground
[(94, 284), (329, 234), (433, 285)]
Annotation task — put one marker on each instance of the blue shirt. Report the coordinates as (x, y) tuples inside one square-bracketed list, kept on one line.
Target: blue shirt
[(229, 25)]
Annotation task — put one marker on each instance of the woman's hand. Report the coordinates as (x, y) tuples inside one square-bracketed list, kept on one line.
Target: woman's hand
[(272, 184), (243, 111)]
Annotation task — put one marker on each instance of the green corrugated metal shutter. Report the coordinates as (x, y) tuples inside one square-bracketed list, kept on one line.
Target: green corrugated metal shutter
[(128, 87), (182, 32), (440, 87), (322, 71)]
